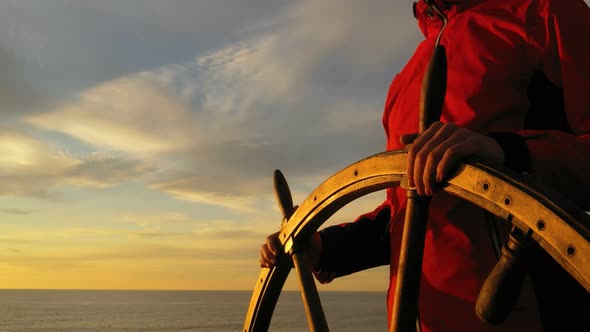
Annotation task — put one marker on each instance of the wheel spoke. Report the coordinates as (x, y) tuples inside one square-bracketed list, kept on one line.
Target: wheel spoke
[(309, 293)]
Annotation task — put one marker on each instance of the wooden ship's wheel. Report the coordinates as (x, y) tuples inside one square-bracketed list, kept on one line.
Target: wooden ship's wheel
[(558, 227), (562, 230)]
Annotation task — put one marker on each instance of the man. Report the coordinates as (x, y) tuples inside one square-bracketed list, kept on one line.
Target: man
[(518, 76)]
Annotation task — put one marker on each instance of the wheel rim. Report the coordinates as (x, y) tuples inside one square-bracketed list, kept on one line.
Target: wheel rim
[(560, 228)]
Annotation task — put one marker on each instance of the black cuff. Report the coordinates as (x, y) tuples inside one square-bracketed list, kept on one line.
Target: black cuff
[(356, 246), (332, 245), (516, 151)]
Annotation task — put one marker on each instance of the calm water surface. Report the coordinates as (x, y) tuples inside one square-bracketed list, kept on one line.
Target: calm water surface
[(175, 311)]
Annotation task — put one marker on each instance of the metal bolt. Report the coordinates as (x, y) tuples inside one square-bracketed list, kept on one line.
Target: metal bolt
[(571, 250)]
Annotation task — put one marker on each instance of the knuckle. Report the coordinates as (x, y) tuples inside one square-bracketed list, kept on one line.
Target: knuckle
[(452, 152), (421, 156), (451, 129), (413, 150), (438, 153), (270, 240), (264, 255), (427, 178), (431, 161), (451, 125), (439, 125), (430, 164)]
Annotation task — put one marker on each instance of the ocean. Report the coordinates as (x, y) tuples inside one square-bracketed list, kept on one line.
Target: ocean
[(176, 311)]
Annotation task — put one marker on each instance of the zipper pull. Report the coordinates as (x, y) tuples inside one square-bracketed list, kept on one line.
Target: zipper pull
[(430, 11)]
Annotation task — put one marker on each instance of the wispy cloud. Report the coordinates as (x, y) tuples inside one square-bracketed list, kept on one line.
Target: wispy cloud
[(226, 120), (200, 100), (133, 115), (20, 212), (51, 50), (98, 170), (34, 168), (208, 101), (157, 220), (184, 227)]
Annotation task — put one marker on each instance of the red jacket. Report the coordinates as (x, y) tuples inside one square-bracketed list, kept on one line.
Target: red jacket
[(518, 70)]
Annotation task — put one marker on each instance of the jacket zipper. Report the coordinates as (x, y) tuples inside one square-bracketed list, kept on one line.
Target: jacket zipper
[(431, 12)]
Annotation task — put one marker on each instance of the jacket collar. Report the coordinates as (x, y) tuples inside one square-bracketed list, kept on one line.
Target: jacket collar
[(445, 5), (424, 14)]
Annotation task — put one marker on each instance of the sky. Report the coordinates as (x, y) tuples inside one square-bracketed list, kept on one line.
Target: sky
[(138, 138)]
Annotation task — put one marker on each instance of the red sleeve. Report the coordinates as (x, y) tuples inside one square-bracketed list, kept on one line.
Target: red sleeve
[(559, 159), (355, 246)]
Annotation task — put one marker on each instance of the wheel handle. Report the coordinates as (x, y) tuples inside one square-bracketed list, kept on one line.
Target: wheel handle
[(309, 293)]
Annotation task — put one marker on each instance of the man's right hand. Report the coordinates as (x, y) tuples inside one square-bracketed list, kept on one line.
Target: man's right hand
[(270, 251)]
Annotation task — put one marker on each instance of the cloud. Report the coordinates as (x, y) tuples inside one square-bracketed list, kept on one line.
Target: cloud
[(149, 262), (29, 166), (96, 170), (34, 168), (229, 192), (55, 49), (20, 212), (20, 153), (182, 226), (86, 245), (16, 90), (305, 95), (157, 220), (133, 115)]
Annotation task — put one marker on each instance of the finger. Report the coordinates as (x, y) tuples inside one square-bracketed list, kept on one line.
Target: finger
[(272, 241), (430, 169), (438, 133), (451, 158), (426, 161), (407, 138), (264, 263), (435, 156), (415, 148), (267, 258), (424, 137)]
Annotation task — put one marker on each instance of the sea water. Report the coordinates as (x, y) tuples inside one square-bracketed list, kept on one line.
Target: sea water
[(175, 311)]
